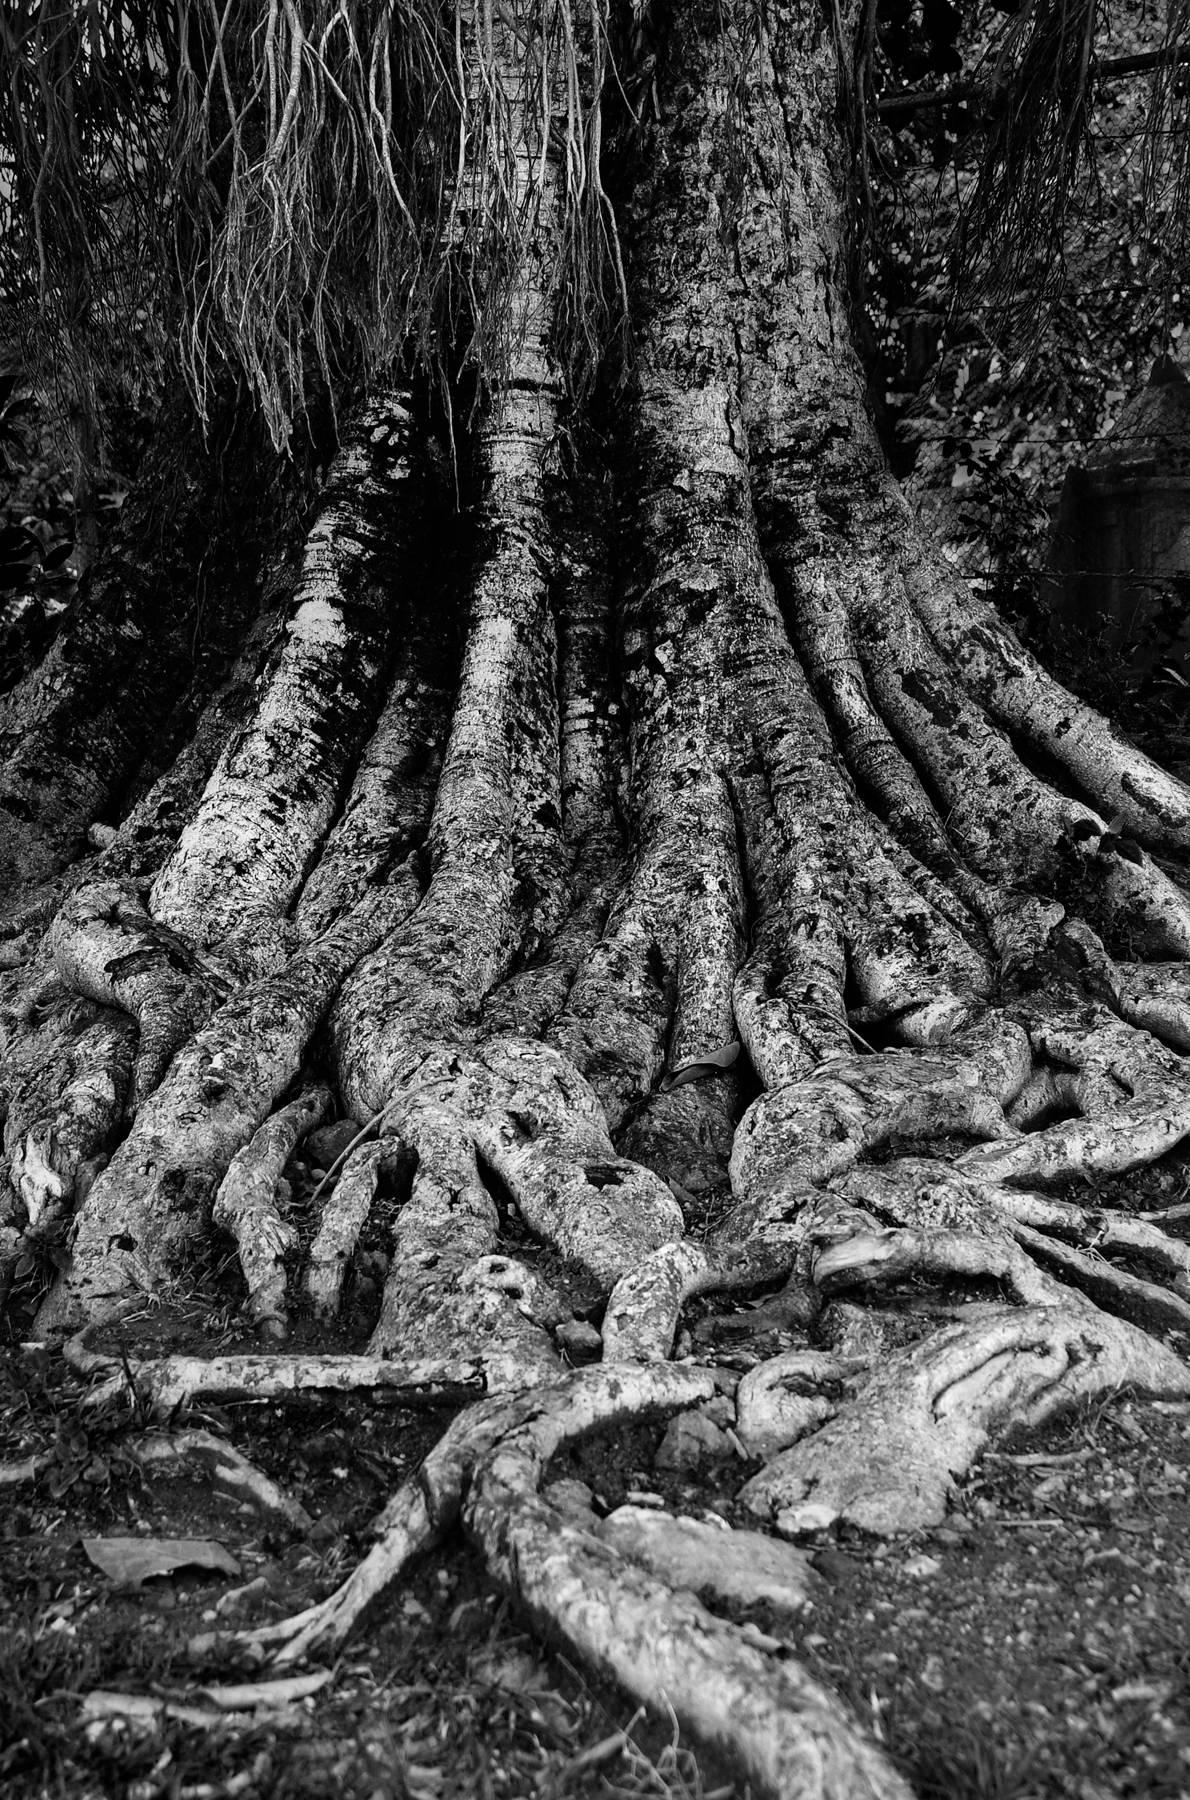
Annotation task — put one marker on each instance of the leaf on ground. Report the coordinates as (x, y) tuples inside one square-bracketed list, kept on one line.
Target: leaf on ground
[(710, 1062), (131, 1560), (920, 1568)]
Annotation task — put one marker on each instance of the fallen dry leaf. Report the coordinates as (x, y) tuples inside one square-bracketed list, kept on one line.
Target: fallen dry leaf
[(131, 1560), (711, 1062)]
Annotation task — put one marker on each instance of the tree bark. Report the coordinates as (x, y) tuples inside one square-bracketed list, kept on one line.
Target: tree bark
[(724, 936)]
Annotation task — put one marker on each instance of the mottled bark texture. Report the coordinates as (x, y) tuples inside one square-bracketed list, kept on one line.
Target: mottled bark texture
[(661, 893)]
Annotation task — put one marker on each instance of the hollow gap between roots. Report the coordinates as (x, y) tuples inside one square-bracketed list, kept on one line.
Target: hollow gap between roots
[(516, 1241), (371, 1256)]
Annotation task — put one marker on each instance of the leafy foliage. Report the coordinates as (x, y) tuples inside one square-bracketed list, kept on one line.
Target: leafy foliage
[(983, 418)]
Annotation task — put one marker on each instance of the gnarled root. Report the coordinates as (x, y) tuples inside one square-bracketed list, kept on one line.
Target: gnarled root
[(162, 1384), (151, 1202), (106, 946), (785, 1733), (888, 1458), (246, 1206)]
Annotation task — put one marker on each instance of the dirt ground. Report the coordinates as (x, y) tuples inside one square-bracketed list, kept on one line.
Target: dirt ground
[(1034, 1646)]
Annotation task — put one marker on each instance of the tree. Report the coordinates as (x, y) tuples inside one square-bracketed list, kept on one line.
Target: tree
[(717, 899)]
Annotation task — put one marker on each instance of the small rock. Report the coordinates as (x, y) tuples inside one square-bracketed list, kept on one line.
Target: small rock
[(798, 1521), (933, 1675), (920, 1568), (741, 1566), (328, 1143), (578, 1340), (836, 1565), (574, 1500), (692, 1440)]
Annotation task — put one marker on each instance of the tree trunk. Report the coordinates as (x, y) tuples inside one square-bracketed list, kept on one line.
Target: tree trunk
[(729, 937)]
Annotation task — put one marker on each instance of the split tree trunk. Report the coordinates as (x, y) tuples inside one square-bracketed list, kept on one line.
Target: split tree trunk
[(729, 938)]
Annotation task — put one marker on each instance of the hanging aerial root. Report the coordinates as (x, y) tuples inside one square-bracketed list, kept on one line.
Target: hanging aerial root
[(247, 1206), (106, 946), (887, 1460)]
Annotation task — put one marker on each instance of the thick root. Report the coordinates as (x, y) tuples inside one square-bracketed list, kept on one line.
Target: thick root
[(105, 946), (785, 1732), (144, 1214), (269, 804), (246, 1206), (887, 1460), (166, 1383)]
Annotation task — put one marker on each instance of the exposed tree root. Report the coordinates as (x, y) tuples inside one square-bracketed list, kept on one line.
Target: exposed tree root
[(166, 1383), (148, 1208), (246, 1206), (268, 806), (105, 945), (218, 1462), (225, 1467), (725, 935), (887, 1459)]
